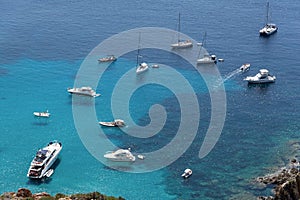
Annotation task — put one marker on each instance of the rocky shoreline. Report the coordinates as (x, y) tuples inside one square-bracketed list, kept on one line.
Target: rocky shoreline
[(286, 182), (24, 193)]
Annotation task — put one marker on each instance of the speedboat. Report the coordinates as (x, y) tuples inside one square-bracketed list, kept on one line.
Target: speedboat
[(41, 114), (245, 67), (117, 122), (120, 155), (187, 173), (142, 68), (87, 91), (262, 77), (43, 160), (109, 58), (207, 59)]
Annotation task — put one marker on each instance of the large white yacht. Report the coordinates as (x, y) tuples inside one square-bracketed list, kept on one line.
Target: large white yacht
[(120, 155), (87, 91), (43, 160), (262, 77)]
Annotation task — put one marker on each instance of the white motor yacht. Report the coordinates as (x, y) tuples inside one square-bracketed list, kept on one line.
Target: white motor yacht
[(43, 160), (117, 122), (87, 91), (187, 173), (42, 114), (110, 58), (262, 77), (120, 155)]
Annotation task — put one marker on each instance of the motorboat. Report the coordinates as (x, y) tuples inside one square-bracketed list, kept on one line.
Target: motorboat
[(117, 122), (43, 160), (155, 66), (245, 67), (120, 155), (269, 28), (180, 44), (262, 77), (110, 58), (42, 114), (187, 173), (141, 157), (87, 91), (207, 59), (142, 68)]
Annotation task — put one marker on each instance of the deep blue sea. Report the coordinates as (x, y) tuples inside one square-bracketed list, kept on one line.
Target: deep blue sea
[(44, 44)]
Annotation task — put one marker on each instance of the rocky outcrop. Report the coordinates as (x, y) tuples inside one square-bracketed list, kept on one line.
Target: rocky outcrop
[(286, 183), (24, 193)]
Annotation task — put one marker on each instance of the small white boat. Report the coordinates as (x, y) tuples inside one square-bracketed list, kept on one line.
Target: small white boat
[(49, 173), (245, 67), (117, 122), (42, 114), (142, 68), (221, 60), (207, 59), (87, 91), (269, 28), (181, 44), (262, 77), (109, 58), (155, 66), (120, 155), (187, 173), (141, 157)]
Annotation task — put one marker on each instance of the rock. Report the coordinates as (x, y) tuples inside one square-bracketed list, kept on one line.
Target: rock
[(23, 192)]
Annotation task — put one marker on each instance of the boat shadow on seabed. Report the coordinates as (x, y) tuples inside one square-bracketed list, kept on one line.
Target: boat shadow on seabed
[(44, 180)]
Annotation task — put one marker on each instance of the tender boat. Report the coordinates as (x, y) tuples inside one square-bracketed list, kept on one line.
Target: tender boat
[(49, 173), (110, 58), (43, 160), (141, 157), (187, 173), (262, 77), (269, 28), (181, 43), (120, 155), (142, 68), (245, 67), (117, 122), (155, 66), (41, 114), (87, 91), (207, 59)]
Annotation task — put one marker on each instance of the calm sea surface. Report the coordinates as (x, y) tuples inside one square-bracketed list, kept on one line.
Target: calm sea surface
[(43, 44)]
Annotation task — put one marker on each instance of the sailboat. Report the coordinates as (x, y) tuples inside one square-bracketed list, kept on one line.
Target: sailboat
[(141, 67), (181, 43), (269, 28), (207, 58)]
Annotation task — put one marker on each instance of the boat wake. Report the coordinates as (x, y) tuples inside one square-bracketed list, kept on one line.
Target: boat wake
[(227, 77)]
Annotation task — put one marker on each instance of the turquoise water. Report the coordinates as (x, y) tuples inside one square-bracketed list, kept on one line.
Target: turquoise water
[(44, 44)]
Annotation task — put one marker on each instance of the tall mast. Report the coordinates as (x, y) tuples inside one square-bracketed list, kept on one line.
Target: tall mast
[(179, 28), (138, 51), (267, 13)]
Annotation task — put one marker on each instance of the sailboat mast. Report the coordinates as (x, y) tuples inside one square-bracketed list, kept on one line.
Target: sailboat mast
[(178, 27), (138, 51), (267, 13)]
